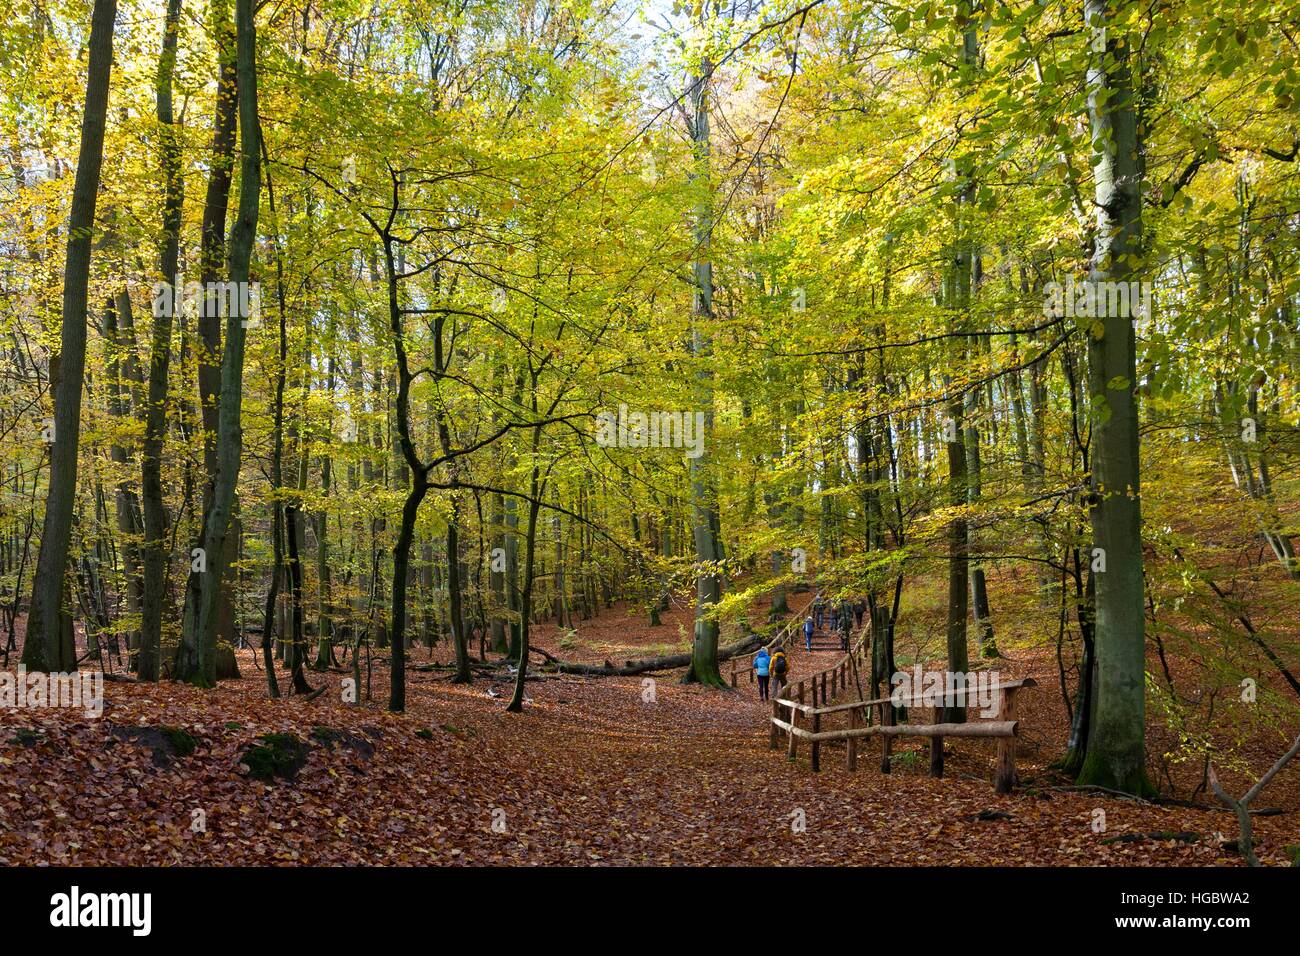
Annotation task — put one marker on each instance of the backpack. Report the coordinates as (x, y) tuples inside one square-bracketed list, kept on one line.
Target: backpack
[(778, 663)]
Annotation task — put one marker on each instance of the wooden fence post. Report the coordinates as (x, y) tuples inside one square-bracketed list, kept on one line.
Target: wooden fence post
[(816, 744), (792, 748), (886, 719), (774, 738), (1005, 780), (936, 743), (816, 722), (853, 741)]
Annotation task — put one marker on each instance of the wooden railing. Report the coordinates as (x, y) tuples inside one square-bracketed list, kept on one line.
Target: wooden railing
[(1004, 727), (837, 675)]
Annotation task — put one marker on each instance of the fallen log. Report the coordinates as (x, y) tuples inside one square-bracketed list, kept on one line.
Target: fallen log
[(665, 663), (996, 728)]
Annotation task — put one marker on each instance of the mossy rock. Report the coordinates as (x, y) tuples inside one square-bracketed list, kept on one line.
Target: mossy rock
[(27, 737), (182, 742), (167, 742), (424, 733), (1293, 854), (277, 756), (329, 736)]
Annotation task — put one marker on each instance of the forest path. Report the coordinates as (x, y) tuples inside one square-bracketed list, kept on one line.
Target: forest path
[(596, 770)]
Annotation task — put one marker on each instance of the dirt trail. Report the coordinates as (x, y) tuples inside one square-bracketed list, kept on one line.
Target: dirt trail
[(597, 770)]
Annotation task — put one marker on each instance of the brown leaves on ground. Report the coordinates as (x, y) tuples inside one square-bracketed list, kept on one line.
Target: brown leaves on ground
[(596, 770)]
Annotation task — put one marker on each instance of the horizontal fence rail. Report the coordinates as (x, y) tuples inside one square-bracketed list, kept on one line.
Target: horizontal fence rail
[(790, 708)]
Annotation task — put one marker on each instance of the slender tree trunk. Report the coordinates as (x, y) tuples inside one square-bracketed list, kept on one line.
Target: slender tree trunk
[(535, 487), (195, 661), (455, 596), (46, 648), (704, 503), (166, 306), (212, 248), (297, 645), (497, 578), (324, 605), (121, 369)]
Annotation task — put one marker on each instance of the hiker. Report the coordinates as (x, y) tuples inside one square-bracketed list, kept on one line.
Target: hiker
[(818, 608), (762, 667), (808, 633), (859, 609), (780, 664), (833, 624)]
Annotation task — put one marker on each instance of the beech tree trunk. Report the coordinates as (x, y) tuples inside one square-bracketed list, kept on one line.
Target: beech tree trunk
[(195, 659), (1116, 756), (704, 503), (165, 308), (46, 648)]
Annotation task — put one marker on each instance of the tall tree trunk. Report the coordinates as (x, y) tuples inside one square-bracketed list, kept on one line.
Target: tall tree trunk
[(419, 478), (974, 474), (958, 294), (704, 502), (166, 306), (514, 596), (497, 578), (297, 644), (123, 369), (1117, 746), (195, 659), (536, 488), (212, 243), (455, 595), (324, 605), (46, 648)]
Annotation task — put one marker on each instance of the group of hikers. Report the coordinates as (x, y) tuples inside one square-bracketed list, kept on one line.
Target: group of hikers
[(839, 617), (771, 667)]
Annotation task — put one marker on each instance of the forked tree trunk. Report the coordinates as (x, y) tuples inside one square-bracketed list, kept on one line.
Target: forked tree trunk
[(195, 660)]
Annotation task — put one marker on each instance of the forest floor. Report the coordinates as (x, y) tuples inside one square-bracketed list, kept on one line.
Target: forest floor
[(593, 771)]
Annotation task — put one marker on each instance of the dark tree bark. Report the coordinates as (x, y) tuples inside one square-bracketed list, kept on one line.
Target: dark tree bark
[(166, 305), (46, 647), (195, 661), (123, 370)]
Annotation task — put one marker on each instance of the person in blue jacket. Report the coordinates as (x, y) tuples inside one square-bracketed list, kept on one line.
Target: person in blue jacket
[(763, 668), (808, 633)]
